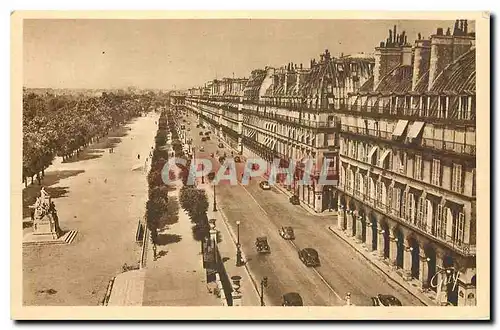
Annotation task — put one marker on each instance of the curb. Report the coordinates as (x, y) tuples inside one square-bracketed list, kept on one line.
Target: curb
[(233, 238), (377, 267)]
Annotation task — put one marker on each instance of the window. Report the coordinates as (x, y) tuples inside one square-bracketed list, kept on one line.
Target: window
[(411, 208), (456, 182), (404, 206), (459, 228), (443, 107), (390, 193), (361, 152), (379, 193), (464, 106), (417, 167), (401, 162), (420, 213), (425, 106), (436, 172), (440, 223), (357, 182), (396, 201)]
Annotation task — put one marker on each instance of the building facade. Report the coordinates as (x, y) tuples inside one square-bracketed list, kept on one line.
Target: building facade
[(408, 160), (288, 113)]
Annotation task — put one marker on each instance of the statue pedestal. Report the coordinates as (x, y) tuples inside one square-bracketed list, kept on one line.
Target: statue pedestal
[(46, 230), (47, 227)]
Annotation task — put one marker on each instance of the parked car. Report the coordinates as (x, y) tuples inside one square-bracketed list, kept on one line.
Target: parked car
[(237, 159), (385, 300), (222, 159), (200, 134), (207, 133), (292, 299), (309, 257), (202, 148), (294, 200), (221, 145), (265, 185), (207, 138), (203, 139), (262, 245), (287, 232)]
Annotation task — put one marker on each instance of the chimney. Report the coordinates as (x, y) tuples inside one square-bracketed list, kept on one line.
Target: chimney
[(285, 83), (387, 57), (406, 53), (421, 61), (462, 42), (441, 54), (300, 65)]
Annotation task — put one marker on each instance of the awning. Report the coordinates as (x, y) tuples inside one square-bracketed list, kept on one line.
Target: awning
[(372, 151), (384, 155), (400, 127), (415, 129)]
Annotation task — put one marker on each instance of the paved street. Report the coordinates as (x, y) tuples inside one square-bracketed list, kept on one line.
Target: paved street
[(262, 213), (102, 196)]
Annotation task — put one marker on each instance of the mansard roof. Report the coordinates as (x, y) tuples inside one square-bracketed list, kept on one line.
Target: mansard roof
[(459, 76), (398, 80)]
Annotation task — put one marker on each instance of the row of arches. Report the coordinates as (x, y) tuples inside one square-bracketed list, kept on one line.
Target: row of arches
[(413, 257)]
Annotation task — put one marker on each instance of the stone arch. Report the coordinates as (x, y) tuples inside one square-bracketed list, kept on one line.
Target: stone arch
[(415, 255), (451, 287), (399, 237), (384, 228), (372, 220), (363, 213)]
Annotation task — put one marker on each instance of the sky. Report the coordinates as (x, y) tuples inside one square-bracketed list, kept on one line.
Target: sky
[(179, 54)]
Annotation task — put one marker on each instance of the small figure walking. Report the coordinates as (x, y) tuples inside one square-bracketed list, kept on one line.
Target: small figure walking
[(154, 252), (138, 156), (105, 180)]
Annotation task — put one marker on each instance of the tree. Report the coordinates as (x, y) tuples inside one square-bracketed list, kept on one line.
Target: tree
[(155, 220), (194, 201)]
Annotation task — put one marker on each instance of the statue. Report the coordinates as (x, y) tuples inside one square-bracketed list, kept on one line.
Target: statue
[(45, 220)]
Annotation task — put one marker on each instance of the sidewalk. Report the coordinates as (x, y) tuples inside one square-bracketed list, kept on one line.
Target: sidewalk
[(227, 250), (412, 286), (177, 277)]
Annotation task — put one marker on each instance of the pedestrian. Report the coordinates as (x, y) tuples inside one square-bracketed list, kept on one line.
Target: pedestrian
[(105, 180), (138, 156)]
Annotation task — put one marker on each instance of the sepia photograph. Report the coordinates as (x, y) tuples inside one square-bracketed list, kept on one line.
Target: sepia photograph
[(180, 164)]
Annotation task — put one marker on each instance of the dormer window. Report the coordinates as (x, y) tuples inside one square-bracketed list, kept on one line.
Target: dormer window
[(443, 107)]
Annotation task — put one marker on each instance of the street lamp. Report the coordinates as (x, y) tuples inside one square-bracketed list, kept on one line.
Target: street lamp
[(215, 200), (239, 262), (263, 284)]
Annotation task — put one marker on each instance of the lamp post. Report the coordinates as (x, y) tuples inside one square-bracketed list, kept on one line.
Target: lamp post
[(239, 262), (263, 284), (215, 200)]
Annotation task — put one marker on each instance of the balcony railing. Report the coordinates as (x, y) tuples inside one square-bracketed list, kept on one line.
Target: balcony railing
[(411, 112), (458, 147), (365, 131), (450, 241)]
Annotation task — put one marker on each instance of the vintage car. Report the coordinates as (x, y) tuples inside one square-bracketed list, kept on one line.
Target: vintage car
[(221, 145), (294, 200), (385, 300), (262, 245), (201, 133), (309, 257), (292, 299), (207, 138), (237, 159), (203, 139), (264, 185), (287, 232), (207, 133), (202, 148)]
